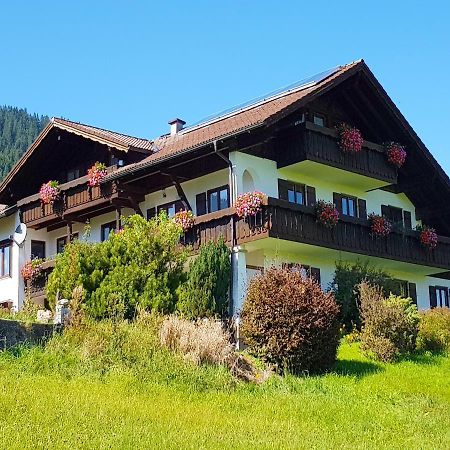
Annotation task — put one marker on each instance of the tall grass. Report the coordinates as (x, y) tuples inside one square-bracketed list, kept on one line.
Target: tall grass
[(112, 385)]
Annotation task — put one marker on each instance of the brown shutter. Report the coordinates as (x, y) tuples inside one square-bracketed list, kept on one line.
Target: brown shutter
[(337, 200), (385, 211), (283, 187), (310, 195), (151, 212), (362, 209), (407, 220), (315, 274), (413, 292), (200, 204), (433, 298)]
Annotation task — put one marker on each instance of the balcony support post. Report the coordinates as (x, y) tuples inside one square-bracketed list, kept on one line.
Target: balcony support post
[(69, 237), (118, 218)]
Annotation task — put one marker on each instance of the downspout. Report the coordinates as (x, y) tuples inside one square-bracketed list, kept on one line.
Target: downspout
[(233, 224)]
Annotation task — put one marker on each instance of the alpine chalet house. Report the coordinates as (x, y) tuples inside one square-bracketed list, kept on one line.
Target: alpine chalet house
[(344, 177)]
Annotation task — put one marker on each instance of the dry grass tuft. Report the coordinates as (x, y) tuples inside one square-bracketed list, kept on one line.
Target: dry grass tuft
[(206, 341)]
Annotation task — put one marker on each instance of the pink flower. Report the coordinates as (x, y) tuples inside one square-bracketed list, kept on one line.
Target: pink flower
[(428, 237), (49, 192), (350, 139), (249, 203), (96, 174), (327, 214), (396, 154), (380, 226), (184, 218), (32, 269)]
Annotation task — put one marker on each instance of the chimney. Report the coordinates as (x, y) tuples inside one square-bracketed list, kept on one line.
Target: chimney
[(176, 125)]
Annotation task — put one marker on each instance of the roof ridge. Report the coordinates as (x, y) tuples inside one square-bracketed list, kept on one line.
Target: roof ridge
[(53, 119)]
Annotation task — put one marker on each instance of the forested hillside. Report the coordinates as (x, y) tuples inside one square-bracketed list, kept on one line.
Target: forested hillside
[(18, 129)]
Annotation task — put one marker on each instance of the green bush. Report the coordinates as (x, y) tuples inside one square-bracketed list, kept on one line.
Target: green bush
[(347, 277), (290, 322), (205, 294), (390, 326), (434, 330), (140, 267)]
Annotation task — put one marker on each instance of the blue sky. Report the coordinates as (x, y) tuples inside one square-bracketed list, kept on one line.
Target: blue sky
[(133, 65)]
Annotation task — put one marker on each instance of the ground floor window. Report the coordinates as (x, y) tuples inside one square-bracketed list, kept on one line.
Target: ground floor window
[(5, 259), (439, 297), (62, 242)]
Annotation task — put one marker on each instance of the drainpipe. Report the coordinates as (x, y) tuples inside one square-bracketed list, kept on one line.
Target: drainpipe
[(233, 225)]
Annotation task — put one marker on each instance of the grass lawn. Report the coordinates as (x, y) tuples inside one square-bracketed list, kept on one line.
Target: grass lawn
[(361, 405)]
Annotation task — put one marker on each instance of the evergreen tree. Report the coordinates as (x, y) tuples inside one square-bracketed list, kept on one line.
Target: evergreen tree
[(18, 129)]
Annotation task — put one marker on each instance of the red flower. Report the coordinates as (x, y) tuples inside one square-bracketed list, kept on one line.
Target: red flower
[(428, 237), (249, 203), (32, 269), (380, 226), (184, 218), (350, 138), (327, 214), (96, 174), (396, 154)]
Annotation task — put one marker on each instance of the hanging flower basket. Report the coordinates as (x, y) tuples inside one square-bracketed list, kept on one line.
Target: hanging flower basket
[(249, 203), (185, 219), (379, 225), (350, 138), (396, 154), (96, 174), (49, 192), (428, 237), (32, 269), (327, 214)]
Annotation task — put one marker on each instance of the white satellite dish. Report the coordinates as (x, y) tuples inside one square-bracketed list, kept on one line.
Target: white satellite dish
[(20, 234)]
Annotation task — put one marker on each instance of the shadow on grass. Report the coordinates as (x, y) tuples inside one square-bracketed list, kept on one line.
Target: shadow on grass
[(356, 368)]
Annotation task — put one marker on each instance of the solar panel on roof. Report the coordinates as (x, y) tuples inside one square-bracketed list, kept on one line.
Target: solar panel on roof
[(299, 85)]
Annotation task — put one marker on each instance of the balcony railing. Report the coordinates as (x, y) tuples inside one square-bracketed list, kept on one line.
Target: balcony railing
[(284, 220), (75, 196), (36, 289), (311, 142)]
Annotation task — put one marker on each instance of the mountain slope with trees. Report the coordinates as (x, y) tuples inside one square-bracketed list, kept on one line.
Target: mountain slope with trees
[(18, 129)]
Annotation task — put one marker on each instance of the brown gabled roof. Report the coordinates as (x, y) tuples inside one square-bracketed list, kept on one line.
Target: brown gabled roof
[(111, 138), (254, 115)]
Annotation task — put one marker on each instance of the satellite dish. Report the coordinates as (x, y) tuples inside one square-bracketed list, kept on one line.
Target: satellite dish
[(20, 234)]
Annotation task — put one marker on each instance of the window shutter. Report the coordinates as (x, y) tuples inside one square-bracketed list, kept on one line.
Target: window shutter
[(447, 302), (200, 204), (385, 211), (315, 274), (283, 187), (407, 220), (151, 212), (337, 200), (362, 209), (412, 292), (433, 298), (310, 195)]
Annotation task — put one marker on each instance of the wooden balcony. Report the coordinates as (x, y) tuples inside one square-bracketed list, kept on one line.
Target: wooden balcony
[(311, 142), (36, 289), (78, 201), (283, 220)]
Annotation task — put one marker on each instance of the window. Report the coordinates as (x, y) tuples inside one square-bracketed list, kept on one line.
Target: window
[(350, 206), (171, 208), (439, 297), (305, 270), (218, 199), (62, 242), (319, 119), (73, 174), (106, 230), (5, 258), (37, 249), (296, 193), (395, 215)]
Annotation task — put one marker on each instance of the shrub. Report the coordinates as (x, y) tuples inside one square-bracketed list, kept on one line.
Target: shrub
[(205, 294), (434, 330), (140, 267), (390, 326), (290, 322), (347, 277)]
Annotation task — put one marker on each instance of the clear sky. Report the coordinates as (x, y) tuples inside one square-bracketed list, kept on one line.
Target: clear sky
[(131, 66)]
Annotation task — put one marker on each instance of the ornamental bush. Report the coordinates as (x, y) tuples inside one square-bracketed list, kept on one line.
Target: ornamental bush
[(347, 277), (205, 294), (390, 325), (290, 322), (139, 268), (434, 330)]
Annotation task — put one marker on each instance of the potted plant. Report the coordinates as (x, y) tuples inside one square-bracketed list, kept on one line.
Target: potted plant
[(379, 225), (327, 214), (249, 203), (428, 236), (31, 269), (396, 153), (350, 138), (184, 218), (49, 192), (96, 174)]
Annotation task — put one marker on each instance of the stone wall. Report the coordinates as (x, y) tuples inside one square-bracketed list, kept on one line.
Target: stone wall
[(13, 333)]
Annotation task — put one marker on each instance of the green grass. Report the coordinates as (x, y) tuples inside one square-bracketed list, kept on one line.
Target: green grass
[(68, 396)]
